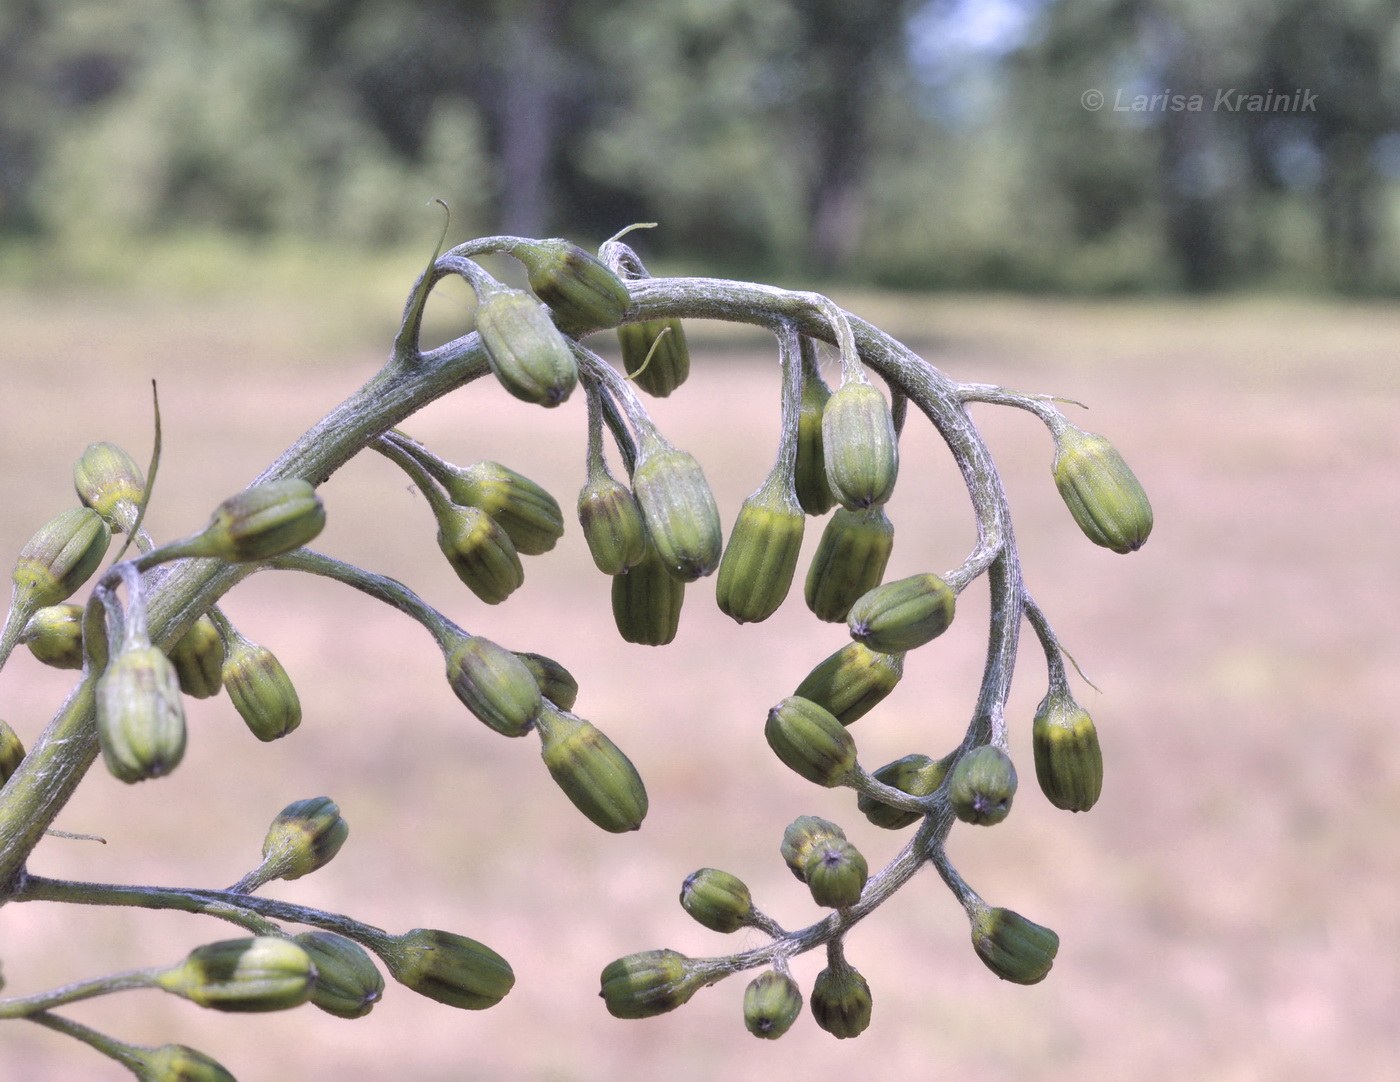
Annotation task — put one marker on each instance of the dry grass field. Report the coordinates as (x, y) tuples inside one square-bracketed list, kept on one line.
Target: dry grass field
[(1229, 912)]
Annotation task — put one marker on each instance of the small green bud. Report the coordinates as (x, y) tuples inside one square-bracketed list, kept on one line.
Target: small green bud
[(261, 522), (802, 837), (348, 983), (11, 751), (612, 524), (901, 615), (305, 836), (982, 786), (262, 973), (259, 688), (1014, 948), (646, 602), (649, 983), (850, 560), (756, 569), (917, 775), (813, 489), (555, 682), (859, 446), (718, 900), (199, 658), (810, 741), (593, 773), (110, 482), (840, 1000), (680, 513), (670, 359), (1068, 762), (60, 557), (836, 873), (494, 684), (529, 515), (1100, 491), (524, 348), (179, 1063), (54, 635), (449, 968), (852, 681), (480, 551), (581, 291), (772, 1002), (140, 719)]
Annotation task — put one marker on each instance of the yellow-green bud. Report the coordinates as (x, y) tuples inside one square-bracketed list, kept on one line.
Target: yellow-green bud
[(756, 569), (480, 551), (917, 775), (612, 524), (261, 522), (494, 684), (179, 1063), (901, 615), (646, 602), (529, 515), (348, 983), (649, 983), (810, 741), (59, 558), (772, 1002), (594, 774), (260, 689), (670, 358), (11, 751), (555, 682), (680, 513), (850, 560), (813, 489), (802, 837), (110, 482), (140, 719), (718, 900), (449, 968), (305, 836), (54, 635), (982, 785), (836, 873), (199, 658), (1014, 948), (859, 446), (581, 291), (262, 973), (1100, 491), (1068, 762), (840, 1000), (852, 681), (524, 348)]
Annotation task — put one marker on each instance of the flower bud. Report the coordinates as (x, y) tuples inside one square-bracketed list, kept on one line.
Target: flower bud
[(348, 983), (810, 741), (524, 348), (259, 688), (813, 490), (772, 1002), (1014, 948), (529, 515), (680, 513), (198, 658), (649, 983), (612, 524), (840, 1000), (480, 551), (261, 522), (859, 446), (110, 482), (802, 837), (982, 785), (59, 558), (917, 775), (850, 560), (179, 1063), (852, 681), (449, 968), (140, 719), (494, 684), (901, 615), (1100, 491), (836, 873), (718, 900), (756, 569), (646, 602), (262, 973), (54, 635), (11, 751), (664, 341), (305, 836), (555, 682), (581, 291), (591, 770), (1068, 763)]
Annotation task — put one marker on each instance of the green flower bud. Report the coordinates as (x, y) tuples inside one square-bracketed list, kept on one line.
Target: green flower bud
[(261, 522), (262, 973), (802, 837), (982, 786), (836, 873), (599, 780), (524, 348), (1068, 763), (1100, 491), (555, 682), (756, 569), (612, 524), (259, 688), (449, 968), (670, 359), (813, 490), (917, 775), (646, 602), (305, 836), (649, 983), (581, 291), (179, 1063), (852, 681), (859, 446), (680, 513), (348, 983), (840, 1000), (54, 635), (480, 551), (60, 557), (718, 900), (529, 515), (494, 684), (11, 751), (850, 560), (199, 658), (110, 482), (901, 615), (772, 1002), (810, 741), (140, 719), (1013, 948)]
